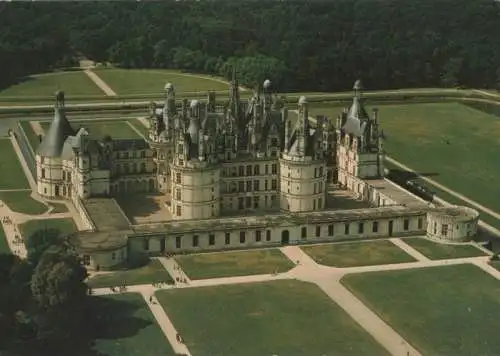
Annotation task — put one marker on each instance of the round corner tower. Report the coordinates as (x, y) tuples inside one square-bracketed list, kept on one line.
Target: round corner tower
[(302, 167), (194, 171)]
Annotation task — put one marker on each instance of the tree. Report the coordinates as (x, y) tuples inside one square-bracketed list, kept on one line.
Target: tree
[(40, 241)]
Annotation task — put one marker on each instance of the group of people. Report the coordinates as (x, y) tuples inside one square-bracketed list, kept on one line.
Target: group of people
[(119, 289)]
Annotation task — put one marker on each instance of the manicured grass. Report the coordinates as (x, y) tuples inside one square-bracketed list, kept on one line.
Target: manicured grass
[(72, 83), (4, 245), (127, 327), (229, 264), (32, 137), (22, 202), (65, 226), (139, 126), (117, 129), (438, 251), (12, 176), (152, 272), (379, 252), (58, 208), (417, 136), (274, 318), (451, 310), (136, 81)]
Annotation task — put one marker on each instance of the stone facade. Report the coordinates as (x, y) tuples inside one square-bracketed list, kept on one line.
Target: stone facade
[(70, 163), (244, 174)]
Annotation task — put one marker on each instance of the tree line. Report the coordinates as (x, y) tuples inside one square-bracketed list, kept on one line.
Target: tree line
[(301, 46)]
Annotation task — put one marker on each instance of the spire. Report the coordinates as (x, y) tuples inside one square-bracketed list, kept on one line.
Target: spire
[(234, 95), (53, 142)]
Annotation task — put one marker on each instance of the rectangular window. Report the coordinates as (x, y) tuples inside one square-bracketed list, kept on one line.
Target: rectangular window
[(178, 210), (256, 185), (330, 230), (178, 194), (444, 229), (318, 231), (268, 235), (274, 184), (248, 202), (256, 202), (256, 170), (266, 185), (178, 178), (274, 169), (241, 171), (266, 169), (321, 171), (258, 236), (375, 226), (361, 228), (195, 240), (241, 187), (211, 239), (346, 229), (241, 205), (227, 238), (420, 223), (249, 170), (304, 232), (145, 244), (178, 241), (249, 186), (43, 172), (406, 224), (242, 237)]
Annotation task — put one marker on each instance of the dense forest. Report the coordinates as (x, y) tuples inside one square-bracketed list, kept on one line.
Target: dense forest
[(306, 46)]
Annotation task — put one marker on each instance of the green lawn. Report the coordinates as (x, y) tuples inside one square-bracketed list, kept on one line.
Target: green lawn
[(32, 137), (127, 327), (152, 272), (229, 264), (352, 254), (13, 175), (139, 126), (137, 81), (437, 251), (275, 318), (451, 310), (417, 136), (65, 226), (22, 202), (4, 245), (72, 83), (58, 208), (117, 129)]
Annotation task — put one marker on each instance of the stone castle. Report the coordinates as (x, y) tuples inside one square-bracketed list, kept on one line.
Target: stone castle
[(253, 169)]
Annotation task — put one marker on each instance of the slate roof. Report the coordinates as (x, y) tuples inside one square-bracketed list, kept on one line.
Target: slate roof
[(53, 142)]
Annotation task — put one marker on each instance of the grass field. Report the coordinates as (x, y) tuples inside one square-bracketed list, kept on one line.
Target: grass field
[(239, 263), (9, 162), (451, 310), (437, 251), (357, 253), (22, 202), (275, 318), (4, 245), (30, 135), (417, 136), (58, 208), (117, 129), (65, 226), (127, 327), (153, 272), (137, 81), (72, 83)]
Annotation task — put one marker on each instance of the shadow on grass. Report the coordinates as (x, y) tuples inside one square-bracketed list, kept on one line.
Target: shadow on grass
[(139, 205)]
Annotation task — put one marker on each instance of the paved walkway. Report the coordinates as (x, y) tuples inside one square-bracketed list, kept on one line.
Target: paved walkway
[(99, 82), (326, 278), (37, 127), (408, 249)]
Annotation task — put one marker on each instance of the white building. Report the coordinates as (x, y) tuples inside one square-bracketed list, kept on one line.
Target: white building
[(236, 175)]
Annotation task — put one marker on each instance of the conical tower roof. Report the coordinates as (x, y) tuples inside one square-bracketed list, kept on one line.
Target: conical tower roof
[(53, 142)]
